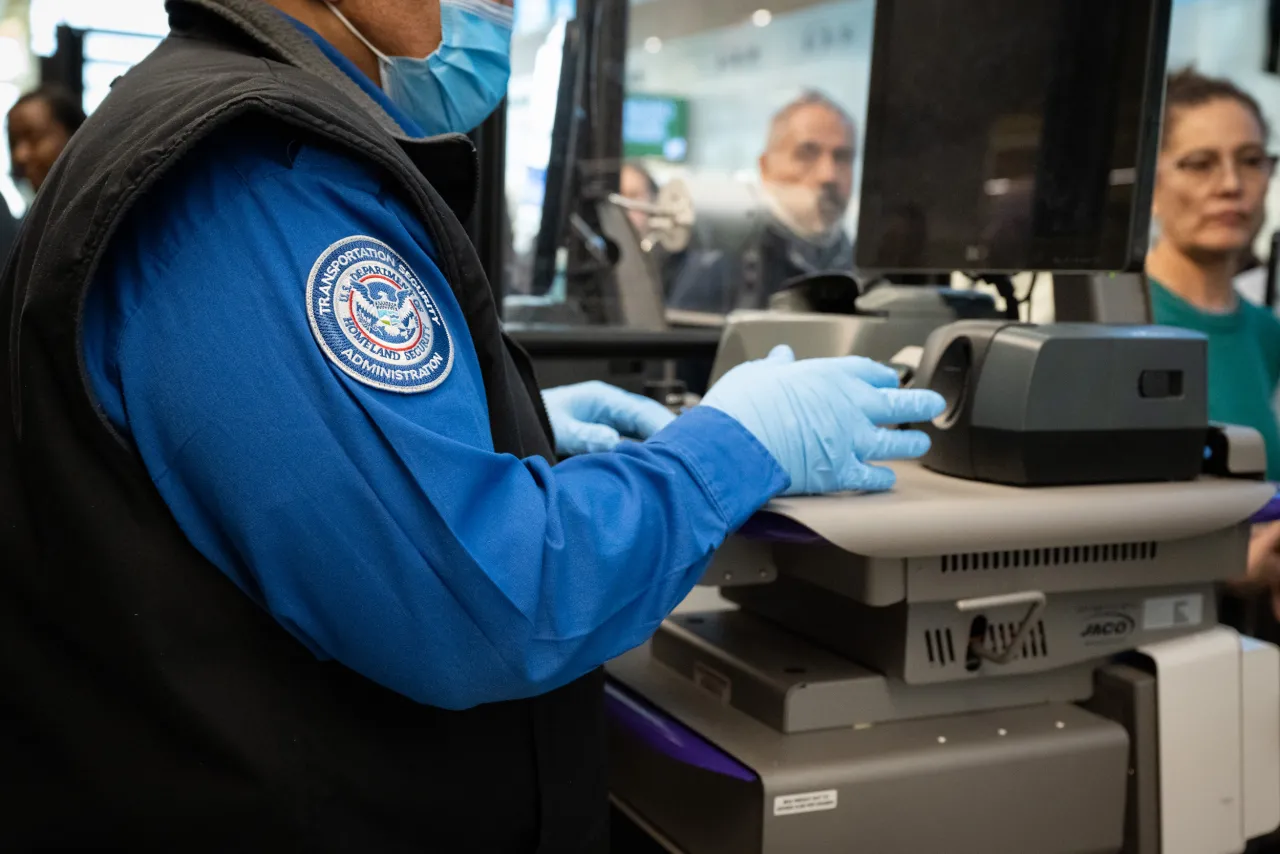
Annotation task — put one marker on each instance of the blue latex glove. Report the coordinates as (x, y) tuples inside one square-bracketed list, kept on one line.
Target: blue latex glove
[(823, 419), (593, 416)]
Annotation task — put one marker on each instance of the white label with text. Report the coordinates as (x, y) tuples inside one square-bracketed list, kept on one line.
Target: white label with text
[(805, 802)]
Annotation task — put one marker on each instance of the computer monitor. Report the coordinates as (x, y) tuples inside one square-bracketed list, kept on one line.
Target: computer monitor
[(655, 126), (1008, 135)]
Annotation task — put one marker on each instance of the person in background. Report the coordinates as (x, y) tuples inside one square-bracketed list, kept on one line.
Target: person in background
[(1212, 176), (806, 173), (40, 126), (1211, 181), (635, 183), (9, 226)]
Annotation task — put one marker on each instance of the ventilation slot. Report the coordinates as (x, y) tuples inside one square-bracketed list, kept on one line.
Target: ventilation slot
[(940, 646), (1034, 645), (1062, 556)]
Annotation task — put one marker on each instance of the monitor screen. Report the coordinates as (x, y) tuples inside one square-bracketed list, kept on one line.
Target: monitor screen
[(1007, 135), (655, 126)]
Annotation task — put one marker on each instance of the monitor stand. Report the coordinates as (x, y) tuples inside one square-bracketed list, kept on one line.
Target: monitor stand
[(1101, 298)]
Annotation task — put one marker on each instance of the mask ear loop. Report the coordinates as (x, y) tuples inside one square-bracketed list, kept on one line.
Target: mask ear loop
[(491, 10), (383, 59)]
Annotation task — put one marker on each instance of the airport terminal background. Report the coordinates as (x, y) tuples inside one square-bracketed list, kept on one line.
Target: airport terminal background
[(703, 81)]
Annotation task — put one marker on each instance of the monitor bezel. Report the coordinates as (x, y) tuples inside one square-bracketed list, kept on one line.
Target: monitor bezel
[(1148, 146)]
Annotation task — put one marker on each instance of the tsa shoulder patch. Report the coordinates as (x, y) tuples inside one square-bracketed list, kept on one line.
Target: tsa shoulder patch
[(374, 318)]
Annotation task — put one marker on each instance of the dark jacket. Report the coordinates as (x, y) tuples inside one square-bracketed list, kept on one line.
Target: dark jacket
[(145, 701), (712, 280)]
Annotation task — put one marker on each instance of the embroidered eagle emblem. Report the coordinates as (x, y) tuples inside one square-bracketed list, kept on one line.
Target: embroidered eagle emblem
[(384, 310)]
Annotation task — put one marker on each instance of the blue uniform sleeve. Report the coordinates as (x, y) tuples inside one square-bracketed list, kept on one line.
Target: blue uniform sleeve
[(380, 527)]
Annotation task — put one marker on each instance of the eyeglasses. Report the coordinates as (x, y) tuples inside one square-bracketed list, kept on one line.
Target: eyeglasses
[(1205, 167)]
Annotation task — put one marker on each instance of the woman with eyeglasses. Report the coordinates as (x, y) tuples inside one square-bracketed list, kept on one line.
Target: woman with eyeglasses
[(1211, 183)]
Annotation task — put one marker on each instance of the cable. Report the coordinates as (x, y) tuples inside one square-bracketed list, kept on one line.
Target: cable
[(1031, 291), (1004, 287)]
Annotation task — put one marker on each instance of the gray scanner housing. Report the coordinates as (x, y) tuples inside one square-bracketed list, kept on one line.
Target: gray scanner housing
[(894, 317), (1066, 403)]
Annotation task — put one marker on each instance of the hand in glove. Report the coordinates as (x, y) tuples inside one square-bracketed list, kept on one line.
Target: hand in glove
[(593, 416), (823, 420)]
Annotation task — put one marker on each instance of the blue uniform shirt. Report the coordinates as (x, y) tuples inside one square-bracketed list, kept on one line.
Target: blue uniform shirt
[(379, 526)]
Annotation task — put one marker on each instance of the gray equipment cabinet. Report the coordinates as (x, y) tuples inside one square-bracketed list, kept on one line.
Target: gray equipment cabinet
[(935, 669)]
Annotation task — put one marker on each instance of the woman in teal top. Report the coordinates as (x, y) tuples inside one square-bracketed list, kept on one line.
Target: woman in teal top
[(1244, 360), (1211, 184)]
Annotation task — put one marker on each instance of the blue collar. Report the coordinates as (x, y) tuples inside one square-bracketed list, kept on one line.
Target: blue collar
[(408, 125)]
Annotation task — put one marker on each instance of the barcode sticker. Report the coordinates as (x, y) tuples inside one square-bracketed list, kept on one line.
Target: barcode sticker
[(805, 802)]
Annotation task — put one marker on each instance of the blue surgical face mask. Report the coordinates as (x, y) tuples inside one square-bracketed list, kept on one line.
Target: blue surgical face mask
[(455, 88)]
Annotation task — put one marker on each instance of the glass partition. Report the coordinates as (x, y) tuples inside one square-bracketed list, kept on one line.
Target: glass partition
[(740, 138), (732, 192), (729, 190), (536, 50), (749, 119)]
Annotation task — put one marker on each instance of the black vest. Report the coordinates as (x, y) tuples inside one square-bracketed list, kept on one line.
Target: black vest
[(145, 702)]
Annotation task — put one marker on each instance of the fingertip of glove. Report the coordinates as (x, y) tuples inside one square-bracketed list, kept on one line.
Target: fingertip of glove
[(781, 353), (873, 373), (598, 437), (876, 479), (892, 444), (932, 404), (912, 444), (912, 406)]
